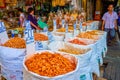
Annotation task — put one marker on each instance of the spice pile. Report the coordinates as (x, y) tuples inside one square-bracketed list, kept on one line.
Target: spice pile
[(88, 36), (48, 64), (77, 41), (40, 37), (15, 42), (72, 50), (63, 29)]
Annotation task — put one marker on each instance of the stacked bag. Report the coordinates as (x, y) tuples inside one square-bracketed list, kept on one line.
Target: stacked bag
[(12, 53), (83, 54)]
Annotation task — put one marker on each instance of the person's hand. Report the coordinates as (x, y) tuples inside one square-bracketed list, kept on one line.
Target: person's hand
[(102, 28), (116, 28), (38, 28)]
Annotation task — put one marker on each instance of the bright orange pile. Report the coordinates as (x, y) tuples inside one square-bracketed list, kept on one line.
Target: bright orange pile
[(15, 42), (94, 32), (77, 41), (40, 37), (88, 36), (47, 64), (63, 29), (84, 24)]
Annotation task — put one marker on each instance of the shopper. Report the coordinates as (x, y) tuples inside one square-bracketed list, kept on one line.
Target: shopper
[(118, 31), (119, 19), (21, 17), (32, 18), (110, 23)]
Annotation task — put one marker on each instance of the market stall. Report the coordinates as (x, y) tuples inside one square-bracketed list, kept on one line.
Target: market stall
[(65, 40), (83, 48)]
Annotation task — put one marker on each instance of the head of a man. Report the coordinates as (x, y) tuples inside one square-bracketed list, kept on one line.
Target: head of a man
[(110, 7), (20, 10), (31, 11)]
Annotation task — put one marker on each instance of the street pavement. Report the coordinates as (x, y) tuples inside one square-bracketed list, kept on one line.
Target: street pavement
[(112, 70)]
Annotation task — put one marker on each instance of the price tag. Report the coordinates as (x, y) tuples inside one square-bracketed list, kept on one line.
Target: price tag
[(28, 33), (30, 45), (80, 26), (63, 23), (83, 77), (2, 27), (75, 26), (66, 28), (29, 36), (45, 29), (3, 33), (27, 24), (76, 21), (50, 36), (55, 25), (39, 46)]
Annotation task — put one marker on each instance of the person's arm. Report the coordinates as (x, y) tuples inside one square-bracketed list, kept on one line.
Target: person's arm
[(31, 23), (21, 21), (103, 24), (36, 27), (115, 22)]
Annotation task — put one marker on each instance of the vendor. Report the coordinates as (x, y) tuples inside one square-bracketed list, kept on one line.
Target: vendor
[(21, 17), (32, 18)]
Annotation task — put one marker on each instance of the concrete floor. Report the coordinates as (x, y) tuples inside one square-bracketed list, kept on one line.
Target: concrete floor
[(112, 71)]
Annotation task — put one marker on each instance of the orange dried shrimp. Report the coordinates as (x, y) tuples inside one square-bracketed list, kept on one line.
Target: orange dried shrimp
[(77, 41), (88, 36), (47, 64), (40, 37), (15, 42)]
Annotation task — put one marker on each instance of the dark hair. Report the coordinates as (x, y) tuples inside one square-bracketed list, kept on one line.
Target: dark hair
[(20, 10), (110, 5), (30, 10)]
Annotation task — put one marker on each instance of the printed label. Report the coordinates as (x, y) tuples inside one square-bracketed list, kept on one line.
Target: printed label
[(2, 27), (83, 77), (39, 46), (29, 36)]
